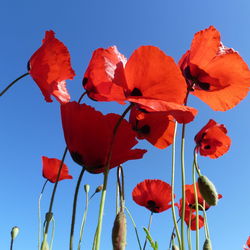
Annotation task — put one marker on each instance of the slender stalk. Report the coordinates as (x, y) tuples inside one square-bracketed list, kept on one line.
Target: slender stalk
[(183, 185), (149, 225), (172, 234), (53, 233), (83, 220), (74, 209), (207, 234), (136, 231), (196, 202), (11, 244), (79, 100), (96, 243), (52, 200), (12, 83), (39, 213), (172, 184), (188, 231)]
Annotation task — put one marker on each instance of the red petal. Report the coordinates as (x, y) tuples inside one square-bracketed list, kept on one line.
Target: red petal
[(50, 67)]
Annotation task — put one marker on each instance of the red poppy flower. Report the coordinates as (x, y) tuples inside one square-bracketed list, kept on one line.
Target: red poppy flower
[(247, 246), (157, 128), (150, 78), (88, 134), (214, 73), (51, 167), (190, 212), (212, 140), (50, 66), (155, 195)]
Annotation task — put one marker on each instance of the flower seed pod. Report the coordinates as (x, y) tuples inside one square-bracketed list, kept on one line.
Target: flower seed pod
[(86, 188), (119, 232), (14, 232), (207, 245), (208, 190), (99, 189), (175, 247)]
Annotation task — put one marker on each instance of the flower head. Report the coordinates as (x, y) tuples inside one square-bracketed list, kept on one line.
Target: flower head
[(155, 195), (247, 246), (150, 79), (88, 134), (214, 73), (51, 167), (157, 128), (212, 140), (50, 66)]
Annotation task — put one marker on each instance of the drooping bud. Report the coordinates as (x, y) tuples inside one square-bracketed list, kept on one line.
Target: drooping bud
[(86, 188), (175, 247), (119, 232), (207, 245), (14, 232), (99, 189), (208, 190)]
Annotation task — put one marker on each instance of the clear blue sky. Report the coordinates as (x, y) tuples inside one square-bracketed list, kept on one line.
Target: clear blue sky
[(31, 128)]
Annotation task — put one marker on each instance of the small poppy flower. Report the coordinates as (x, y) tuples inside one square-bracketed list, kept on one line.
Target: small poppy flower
[(214, 73), (157, 128), (150, 79), (212, 140), (155, 195), (88, 134), (50, 66), (247, 246), (51, 167)]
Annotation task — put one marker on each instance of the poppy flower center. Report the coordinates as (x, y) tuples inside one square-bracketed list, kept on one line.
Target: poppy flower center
[(151, 205), (144, 129), (207, 147), (136, 92), (193, 82)]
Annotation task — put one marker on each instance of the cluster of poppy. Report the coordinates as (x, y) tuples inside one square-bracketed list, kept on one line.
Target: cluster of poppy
[(154, 83), (155, 195)]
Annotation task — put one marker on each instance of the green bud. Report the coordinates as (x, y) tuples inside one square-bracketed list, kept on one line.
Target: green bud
[(208, 190), (14, 232), (119, 232), (45, 246), (86, 188), (175, 247), (207, 245)]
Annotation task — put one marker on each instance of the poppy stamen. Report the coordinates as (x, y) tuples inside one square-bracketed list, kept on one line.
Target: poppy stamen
[(136, 92)]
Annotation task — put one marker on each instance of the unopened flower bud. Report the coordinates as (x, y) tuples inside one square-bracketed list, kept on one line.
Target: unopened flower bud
[(14, 232), (175, 247), (208, 190), (207, 245), (45, 246), (119, 232), (86, 188), (48, 217), (99, 189)]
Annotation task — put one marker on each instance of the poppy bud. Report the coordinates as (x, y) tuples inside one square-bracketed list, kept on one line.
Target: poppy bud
[(207, 245), (49, 216), (175, 247), (86, 188), (14, 232), (99, 188), (45, 246), (208, 190), (119, 232)]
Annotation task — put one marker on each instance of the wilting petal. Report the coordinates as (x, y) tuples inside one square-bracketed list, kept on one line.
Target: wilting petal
[(50, 66)]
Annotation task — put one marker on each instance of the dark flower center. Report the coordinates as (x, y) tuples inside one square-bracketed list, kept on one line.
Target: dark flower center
[(136, 92), (193, 82), (207, 147), (151, 205), (145, 129), (84, 81)]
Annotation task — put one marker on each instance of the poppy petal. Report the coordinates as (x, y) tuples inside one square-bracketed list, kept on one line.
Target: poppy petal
[(50, 67)]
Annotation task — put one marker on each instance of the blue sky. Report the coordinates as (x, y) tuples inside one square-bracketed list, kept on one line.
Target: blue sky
[(31, 128)]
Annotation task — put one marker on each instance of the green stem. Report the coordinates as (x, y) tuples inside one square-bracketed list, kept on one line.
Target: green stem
[(39, 213), (74, 209), (53, 233), (52, 199), (136, 231), (183, 185), (172, 184), (196, 202), (149, 225), (206, 223), (188, 231), (12, 83), (97, 239), (172, 234), (83, 220), (11, 244)]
